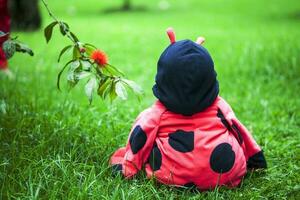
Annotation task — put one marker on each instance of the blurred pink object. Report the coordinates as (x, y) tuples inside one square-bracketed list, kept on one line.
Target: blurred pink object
[(4, 27)]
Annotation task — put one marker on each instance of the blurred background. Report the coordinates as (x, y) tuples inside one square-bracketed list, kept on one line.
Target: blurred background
[(137, 28), (242, 36)]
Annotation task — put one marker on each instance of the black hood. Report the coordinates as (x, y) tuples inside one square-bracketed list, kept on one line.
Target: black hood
[(186, 80)]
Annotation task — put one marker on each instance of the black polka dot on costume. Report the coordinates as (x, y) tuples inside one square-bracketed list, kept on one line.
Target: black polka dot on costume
[(155, 158), (116, 169), (239, 135), (234, 128), (182, 141), (223, 120), (137, 139), (222, 158)]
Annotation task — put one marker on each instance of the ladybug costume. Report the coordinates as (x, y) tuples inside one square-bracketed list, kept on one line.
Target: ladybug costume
[(190, 136)]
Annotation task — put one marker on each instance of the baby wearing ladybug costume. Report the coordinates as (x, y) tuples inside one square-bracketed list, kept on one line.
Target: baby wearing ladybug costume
[(190, 136)]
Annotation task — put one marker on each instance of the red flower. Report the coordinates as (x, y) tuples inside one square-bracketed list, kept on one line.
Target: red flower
[(99, 57)]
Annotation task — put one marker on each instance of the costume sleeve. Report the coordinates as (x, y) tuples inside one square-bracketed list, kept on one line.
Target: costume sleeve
[(130, 159), (253, 153)]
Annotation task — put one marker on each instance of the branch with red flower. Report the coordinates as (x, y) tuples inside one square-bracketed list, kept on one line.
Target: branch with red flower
[(90, 63)]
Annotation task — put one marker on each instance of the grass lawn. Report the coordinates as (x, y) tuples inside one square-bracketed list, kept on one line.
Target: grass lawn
[(53, 145)]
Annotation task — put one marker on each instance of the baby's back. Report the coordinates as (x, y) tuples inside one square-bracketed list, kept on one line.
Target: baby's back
[(197, 149)]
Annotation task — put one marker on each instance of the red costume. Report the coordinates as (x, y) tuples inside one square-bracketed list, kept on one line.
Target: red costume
[(4, 27), (190, 136)]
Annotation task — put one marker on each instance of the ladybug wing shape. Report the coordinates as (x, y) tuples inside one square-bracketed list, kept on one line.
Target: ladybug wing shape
[(253, 153), (130, 159)]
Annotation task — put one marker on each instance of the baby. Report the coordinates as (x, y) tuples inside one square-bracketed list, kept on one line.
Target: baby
[(190, 136)]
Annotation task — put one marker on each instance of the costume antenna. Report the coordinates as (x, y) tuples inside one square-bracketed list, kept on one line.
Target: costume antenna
[(171, 34)]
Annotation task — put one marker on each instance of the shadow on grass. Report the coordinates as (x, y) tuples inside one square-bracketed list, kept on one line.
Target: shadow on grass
[(291, 16), (189, 189), (294, 15), (133, 9), (295, 193)]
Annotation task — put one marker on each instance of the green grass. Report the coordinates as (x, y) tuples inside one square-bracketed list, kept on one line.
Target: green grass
[(54, 145)]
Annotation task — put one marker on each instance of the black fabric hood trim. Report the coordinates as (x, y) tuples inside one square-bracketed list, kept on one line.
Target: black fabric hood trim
[(186, 81)]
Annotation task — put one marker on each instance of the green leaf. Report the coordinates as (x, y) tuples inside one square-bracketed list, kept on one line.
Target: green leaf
[(113, 70), (20, 47), (86, 65), (64, 28), (121, 91), (61, 71), (90, 87), (82, 75), (89, 49), (104, 86), (74, 65), (74, 37), (9, 48), (110, 88), (48, 31), (90, 45), (72, 84), (67, 25), (73, 73), (63, 51), (135, 87), (112, 94), (76, 52), (72, 79)]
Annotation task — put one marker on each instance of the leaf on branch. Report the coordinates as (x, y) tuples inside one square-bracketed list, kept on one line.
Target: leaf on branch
[(91, 45), (86, 65), (132, 85), (113, 70), (121, 90), (89, 48), (90, 87), (74, 70), (112, 93), (75, 65), (63, 51), (61, 71), (74, 37), (64, 28), (9, 48), (82, 75), (76, 52), (48, 31), (72, 79), (103, 87), (20, 47)]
